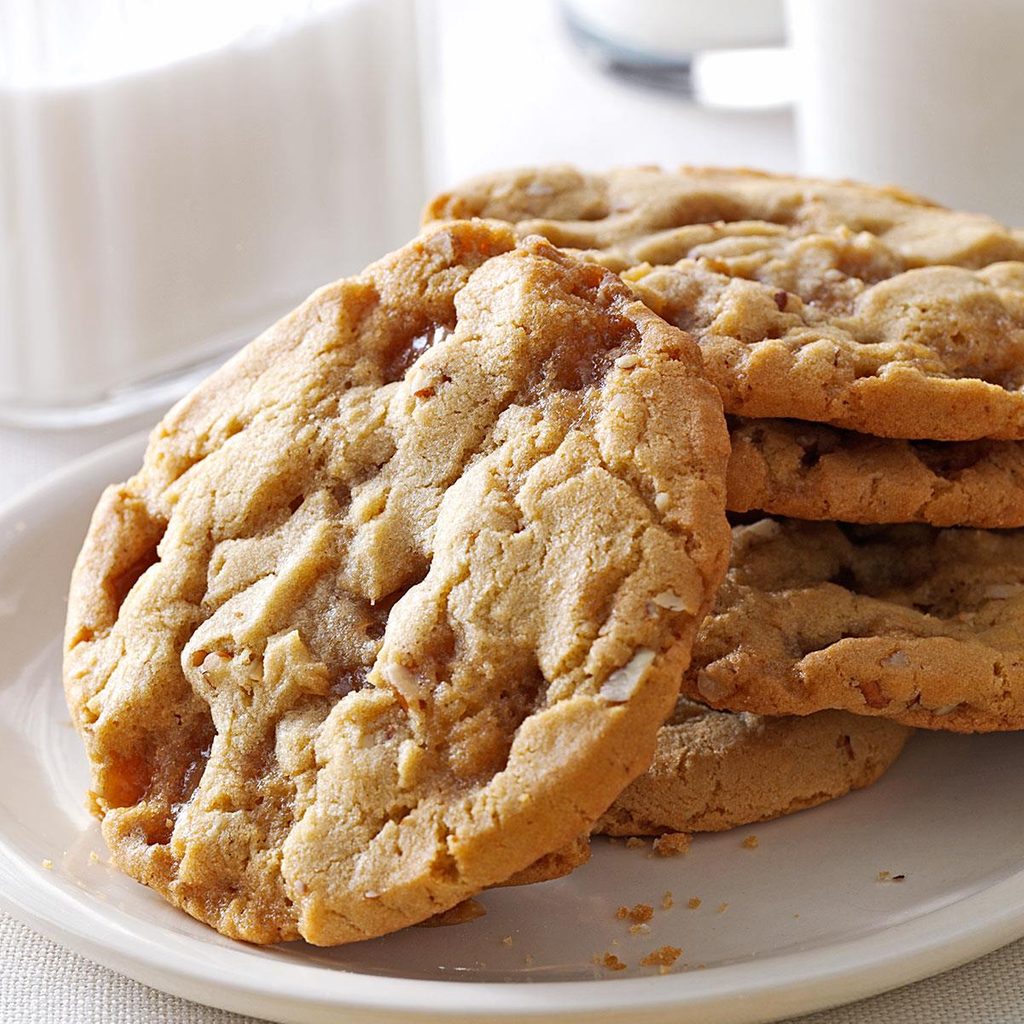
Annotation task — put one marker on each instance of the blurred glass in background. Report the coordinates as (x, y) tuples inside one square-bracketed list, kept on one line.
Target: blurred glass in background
[(175, 174), (928, 94), (729, 53)]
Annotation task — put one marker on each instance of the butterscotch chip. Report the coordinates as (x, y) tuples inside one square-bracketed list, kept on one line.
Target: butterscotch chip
[(868, 308), (367, 633), (671, 844), (811, 471), (664, 956), (910, 623)]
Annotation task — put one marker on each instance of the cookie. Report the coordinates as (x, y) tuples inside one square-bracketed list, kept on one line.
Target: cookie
[(715, 770), (400, 596), (866, 308), (553, 865), (914, 623), (812, 471)]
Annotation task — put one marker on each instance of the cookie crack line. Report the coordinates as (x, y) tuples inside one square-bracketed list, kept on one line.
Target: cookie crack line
[(351, 693), (902, 319)]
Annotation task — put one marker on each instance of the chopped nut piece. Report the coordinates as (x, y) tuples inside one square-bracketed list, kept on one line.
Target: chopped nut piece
[(669, 601), (639, 929), (48, 864), (627, 362), (634, 843), (665, 956), (662, 501), (722, 908), (507, 941), (693, 902), (1001, 591), (667, 902), (672, 844), (405, 683), (750, 843), (710, 688), (622, 683), (898, 659)]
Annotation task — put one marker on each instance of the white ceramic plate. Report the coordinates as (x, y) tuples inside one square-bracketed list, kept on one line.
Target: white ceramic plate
[(798, 923)]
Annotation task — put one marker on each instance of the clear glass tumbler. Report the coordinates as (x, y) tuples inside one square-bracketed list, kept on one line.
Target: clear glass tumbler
[(175, 174)]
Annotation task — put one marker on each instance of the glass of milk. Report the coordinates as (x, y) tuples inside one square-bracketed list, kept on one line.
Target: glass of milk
[(176, 174), (928, 94)]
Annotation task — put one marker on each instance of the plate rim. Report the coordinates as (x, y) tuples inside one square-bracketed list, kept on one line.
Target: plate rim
[(812, 979)]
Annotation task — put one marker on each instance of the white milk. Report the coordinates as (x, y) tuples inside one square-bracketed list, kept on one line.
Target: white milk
[(928, 94), (170, 185)]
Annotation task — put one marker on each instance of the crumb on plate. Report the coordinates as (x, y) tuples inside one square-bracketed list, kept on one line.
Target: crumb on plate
[(664, 956), (672, 844), (610, 962)]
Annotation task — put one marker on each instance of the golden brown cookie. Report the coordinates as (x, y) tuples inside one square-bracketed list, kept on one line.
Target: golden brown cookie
[(913, 623), (863, 307), (557, 864), (715, 770), (812, 471), (401, 595)]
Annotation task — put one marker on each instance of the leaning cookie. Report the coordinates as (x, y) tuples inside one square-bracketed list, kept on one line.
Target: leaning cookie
[(841, 303), (715, 770), (921, 625), (400, 597), (811, 471)]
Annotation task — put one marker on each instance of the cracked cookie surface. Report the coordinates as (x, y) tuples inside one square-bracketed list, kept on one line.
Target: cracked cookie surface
[(867, 308), (400, 596), (914, 623), (714, 770), (812, 471)]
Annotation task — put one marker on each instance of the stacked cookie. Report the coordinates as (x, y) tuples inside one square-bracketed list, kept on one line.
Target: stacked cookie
[(869, 349)]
